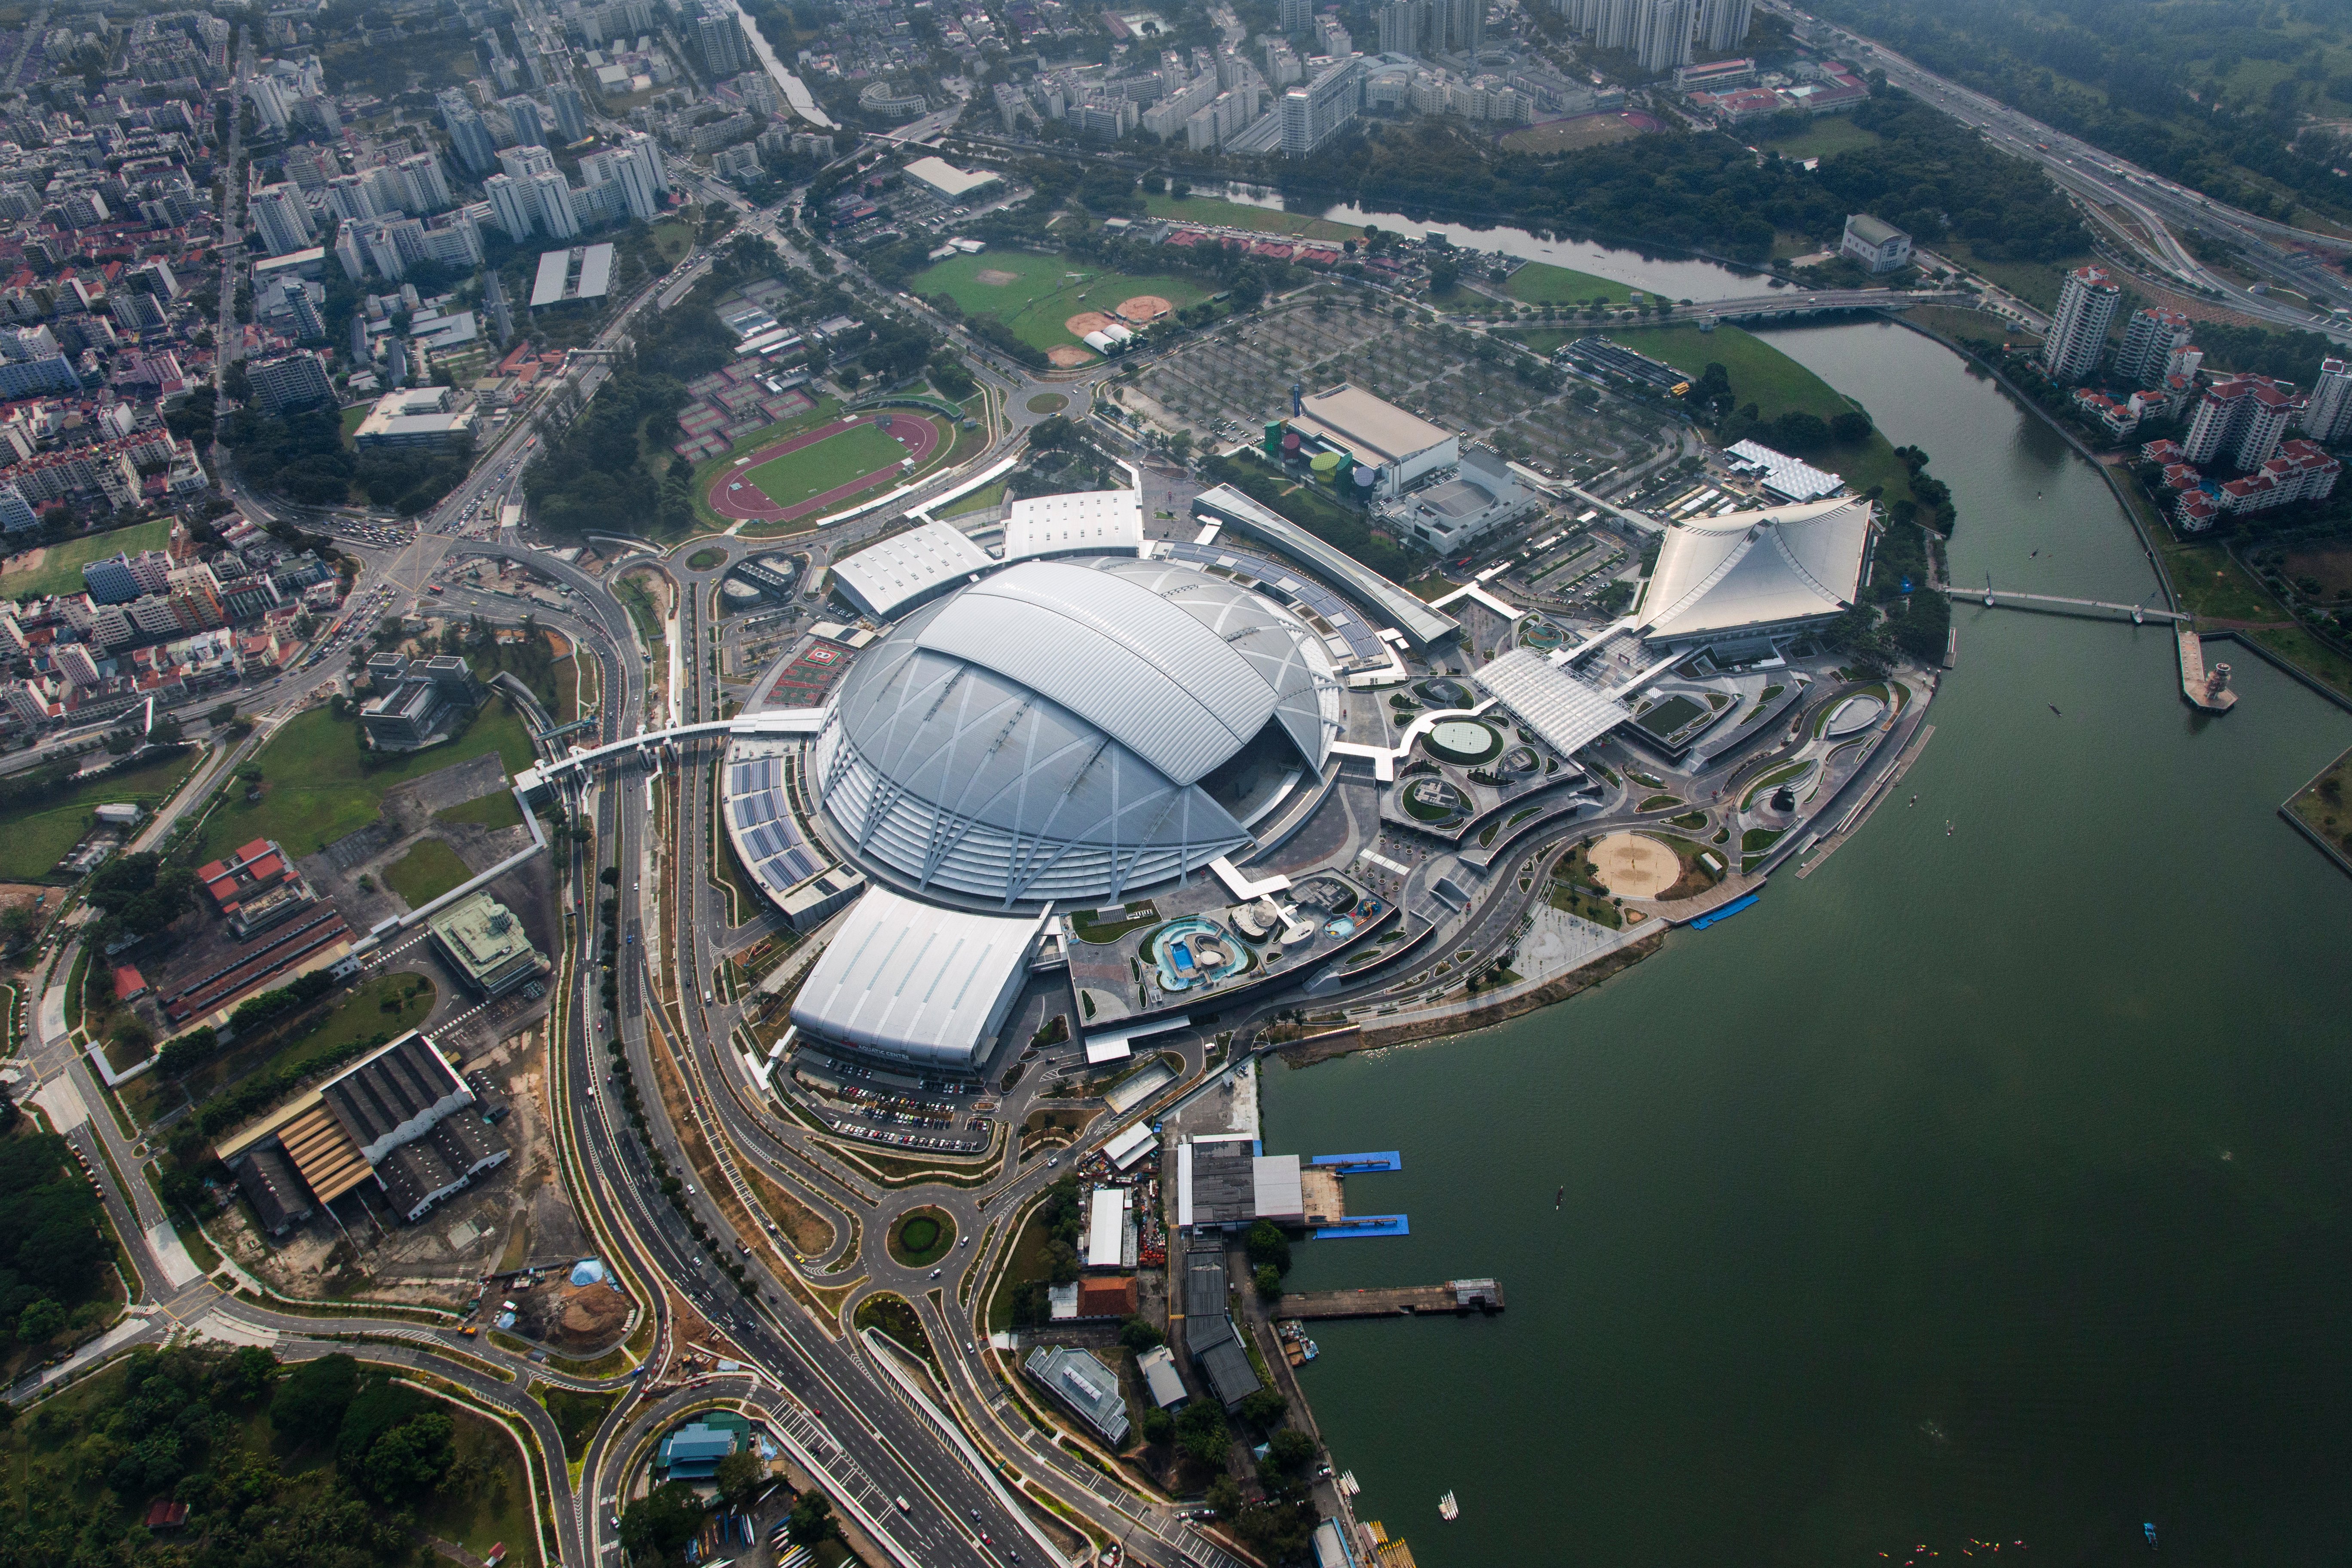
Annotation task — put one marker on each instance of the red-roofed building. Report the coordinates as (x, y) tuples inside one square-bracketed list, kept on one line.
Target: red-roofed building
[(1106, 1298), (166, 1514), (129, 983), (2243, 418)]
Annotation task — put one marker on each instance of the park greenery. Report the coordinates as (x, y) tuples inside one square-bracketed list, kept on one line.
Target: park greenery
[(53, 1255), (2213, 93), (332, 1464), (1706, 192)]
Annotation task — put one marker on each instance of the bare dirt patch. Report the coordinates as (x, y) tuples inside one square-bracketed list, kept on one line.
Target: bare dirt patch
[(1634, 867), (1086, 322), (1144, 308), (995, 277), (1066, 356)]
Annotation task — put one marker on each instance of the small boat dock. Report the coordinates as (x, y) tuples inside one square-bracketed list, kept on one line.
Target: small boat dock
[(1454, 1299)]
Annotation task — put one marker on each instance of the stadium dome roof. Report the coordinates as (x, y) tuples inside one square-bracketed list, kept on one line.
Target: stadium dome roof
[(1071, 729), (1757, 569)]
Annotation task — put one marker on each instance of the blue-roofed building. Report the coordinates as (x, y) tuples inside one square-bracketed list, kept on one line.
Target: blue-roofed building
[(692, 1452)]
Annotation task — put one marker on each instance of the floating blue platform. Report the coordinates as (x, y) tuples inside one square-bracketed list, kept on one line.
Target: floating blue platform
[(1724, 913), (1369, 1224), (1355, 1164)]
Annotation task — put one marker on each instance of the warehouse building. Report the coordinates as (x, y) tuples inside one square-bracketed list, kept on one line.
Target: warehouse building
[(1400, 448)]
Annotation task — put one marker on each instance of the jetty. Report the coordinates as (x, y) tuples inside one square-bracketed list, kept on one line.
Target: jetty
[(1454, 1299), (2207, 690)]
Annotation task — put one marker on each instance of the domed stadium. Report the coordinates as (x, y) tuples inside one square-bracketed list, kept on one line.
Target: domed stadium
[(1073, 730)]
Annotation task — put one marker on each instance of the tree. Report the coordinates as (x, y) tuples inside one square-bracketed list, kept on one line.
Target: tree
[(656, 1526), (738, 1477), (311, 1401), (1290, 1450), (1157, 1426), (1264, 1407), (1138, 1335), (812, 1520), (1268, 1244), (1269, 1281), (1850, 427), (1798, 431), (412, 1457), (188, 1051), (1224, 1495), (1200, 1428), (40, 1322)]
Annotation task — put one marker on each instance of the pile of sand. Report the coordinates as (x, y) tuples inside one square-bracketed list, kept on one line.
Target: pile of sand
[(591, 1315)]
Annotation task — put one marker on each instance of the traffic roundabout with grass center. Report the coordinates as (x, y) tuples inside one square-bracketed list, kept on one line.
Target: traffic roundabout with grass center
[(1048, 403), (921, 1237)]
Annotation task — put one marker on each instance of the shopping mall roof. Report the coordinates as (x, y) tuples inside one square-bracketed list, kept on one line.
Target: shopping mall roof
[(1758, 569), (1564, 712), (916, 980), (1063, 524), (1376, 430), (884, 579)]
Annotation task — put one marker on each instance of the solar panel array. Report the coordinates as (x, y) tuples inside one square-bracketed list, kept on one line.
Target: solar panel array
[(759, 820)]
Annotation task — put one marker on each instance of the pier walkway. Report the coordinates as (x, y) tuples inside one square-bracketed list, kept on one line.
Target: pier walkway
[(1454, 1299)]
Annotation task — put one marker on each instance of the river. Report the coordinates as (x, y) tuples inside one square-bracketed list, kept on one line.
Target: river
[(1980, 1186)]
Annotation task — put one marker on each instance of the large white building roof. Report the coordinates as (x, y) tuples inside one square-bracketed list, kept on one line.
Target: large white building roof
[(1376, 430), (1051, 730), (1789, 477), (916, 981), (1757, 569), (1064, 524), (1408, 613), (947, 179), (884, 579), (1565, 713)]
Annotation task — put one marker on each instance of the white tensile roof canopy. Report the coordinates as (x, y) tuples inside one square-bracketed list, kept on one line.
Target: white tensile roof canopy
[(1753, 570)]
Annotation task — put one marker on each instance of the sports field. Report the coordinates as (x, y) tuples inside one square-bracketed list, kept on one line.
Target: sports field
[(35, 836), (1038, 296), (1572, 135), (1540, 283), (56, 569), (818, 468)]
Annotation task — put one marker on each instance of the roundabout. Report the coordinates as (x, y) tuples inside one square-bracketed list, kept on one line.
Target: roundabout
[(921, 1237)]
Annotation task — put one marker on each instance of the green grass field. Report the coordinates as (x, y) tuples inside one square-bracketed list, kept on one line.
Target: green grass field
[(854, 453), (1540, 283), (353, 417), (428, 870), (980, 499), (497, 809), (1046, 291), (1240, 215), (1776, 384), (1825, 137), (59, 571), (32, 841), (710, 469), (314, 791)]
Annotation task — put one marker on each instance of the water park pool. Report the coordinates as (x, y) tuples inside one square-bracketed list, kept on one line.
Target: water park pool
[(1339, 926), (1195, 951)]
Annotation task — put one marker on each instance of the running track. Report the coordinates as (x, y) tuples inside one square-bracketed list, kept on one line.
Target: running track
[(748, 503)]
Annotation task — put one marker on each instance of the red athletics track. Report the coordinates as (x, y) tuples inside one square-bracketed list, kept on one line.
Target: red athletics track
[(750, 504)]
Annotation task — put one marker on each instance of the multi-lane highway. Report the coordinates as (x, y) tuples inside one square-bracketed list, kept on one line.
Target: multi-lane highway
[(2155, 211)]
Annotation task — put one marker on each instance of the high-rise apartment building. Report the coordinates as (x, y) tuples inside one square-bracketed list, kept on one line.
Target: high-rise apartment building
[(1466, 24), (469, 139), (2327, 413), (1723, 24), (1662, 35), (289, 381), (2078, 332), (511, 205), (553, 195), (279, 212), (1317, 111), (2242, 419), (571, 111), (722, 43), (522, 114), (2149, 340), (1295, 16), (428, 191), (1403, 25), (348, 198)]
